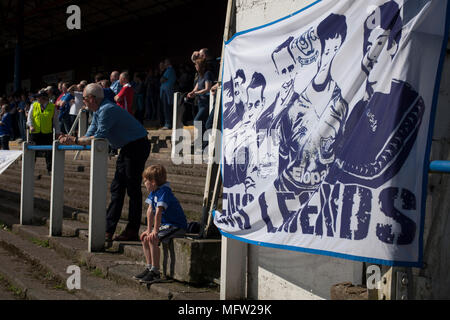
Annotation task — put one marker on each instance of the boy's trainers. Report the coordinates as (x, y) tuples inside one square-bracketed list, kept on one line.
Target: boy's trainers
[(151, 277), (141, 275)]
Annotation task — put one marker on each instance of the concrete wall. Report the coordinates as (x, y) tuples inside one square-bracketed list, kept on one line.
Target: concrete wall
[(433, 281), (280, 274)]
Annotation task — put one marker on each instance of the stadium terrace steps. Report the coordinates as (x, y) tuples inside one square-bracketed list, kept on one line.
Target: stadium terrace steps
[(187, 180), (104, 276), (104, 272)]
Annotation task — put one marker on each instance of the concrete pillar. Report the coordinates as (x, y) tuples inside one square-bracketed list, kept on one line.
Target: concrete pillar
[(176, 122), (57, 191), (97, 195), (27, 188), (233, 269)]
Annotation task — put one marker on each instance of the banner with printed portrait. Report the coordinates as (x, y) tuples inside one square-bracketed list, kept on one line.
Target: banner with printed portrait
[(326, 129)]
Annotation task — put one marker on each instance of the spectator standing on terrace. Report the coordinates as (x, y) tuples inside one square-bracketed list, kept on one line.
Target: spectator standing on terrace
[(64, 109), (14, 119), (201, 91), (115, 83), (165, 220), (51, 94), (22, 118), (99, 77), (5, 127), (211, 63), (139, 91), (107, 91), (151, 95), (42, 119), (167, 80), (60, 94), (124, 98), (185, 80), (122, 131), (77, 103)]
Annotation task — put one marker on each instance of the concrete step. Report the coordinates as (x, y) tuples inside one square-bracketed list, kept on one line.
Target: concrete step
[(28, 282), (80, 182), (35, 247), (42, 210), (183, 183), (78, 199), (191, 168), (192, 250), (114, 268)]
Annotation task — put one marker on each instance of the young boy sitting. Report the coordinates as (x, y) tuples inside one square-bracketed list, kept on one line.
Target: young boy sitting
[(165, 220)]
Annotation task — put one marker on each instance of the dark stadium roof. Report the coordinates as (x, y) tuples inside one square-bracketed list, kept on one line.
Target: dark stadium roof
[(45, 20)]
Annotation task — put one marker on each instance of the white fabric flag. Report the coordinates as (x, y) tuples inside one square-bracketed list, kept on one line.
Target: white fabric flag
[(7, 157), (327, 122)]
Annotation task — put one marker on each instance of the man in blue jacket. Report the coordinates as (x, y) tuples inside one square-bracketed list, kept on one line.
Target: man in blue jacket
[(123, 132)]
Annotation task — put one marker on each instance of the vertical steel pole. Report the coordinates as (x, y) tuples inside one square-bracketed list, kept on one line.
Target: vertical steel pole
[(27, 188), (57, 191), (97, 195)]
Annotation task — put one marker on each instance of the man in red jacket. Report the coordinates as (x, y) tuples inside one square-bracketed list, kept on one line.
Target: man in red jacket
[(125, 97)]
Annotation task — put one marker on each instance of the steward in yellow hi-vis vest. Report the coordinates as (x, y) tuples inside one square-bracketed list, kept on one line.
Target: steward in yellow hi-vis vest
[(42, 119)]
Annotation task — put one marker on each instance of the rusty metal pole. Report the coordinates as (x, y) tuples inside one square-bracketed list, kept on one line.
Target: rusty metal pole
[(213, 182)]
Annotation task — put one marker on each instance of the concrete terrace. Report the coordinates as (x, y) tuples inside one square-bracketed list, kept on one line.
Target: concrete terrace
[(35, 264)]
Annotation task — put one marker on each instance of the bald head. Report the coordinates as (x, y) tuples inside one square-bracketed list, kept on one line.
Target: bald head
[(124, 78), (114, 76)]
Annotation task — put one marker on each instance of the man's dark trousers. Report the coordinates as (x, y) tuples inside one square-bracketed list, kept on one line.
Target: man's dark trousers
[(128, 177), (43, 139)]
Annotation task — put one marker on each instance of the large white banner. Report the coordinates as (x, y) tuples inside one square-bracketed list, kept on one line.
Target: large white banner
[(7, 157), (327, 118)]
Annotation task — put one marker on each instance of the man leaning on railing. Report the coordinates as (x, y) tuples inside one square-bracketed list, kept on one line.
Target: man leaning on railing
[(124, 132)]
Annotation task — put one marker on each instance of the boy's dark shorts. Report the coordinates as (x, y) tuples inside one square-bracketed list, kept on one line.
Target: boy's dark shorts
[(167, 232)]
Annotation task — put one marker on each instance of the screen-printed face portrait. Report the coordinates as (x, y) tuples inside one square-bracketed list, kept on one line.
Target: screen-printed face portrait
[(255, 103), (285, 65)]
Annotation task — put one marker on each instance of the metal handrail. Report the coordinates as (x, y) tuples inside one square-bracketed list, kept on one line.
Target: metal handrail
[(60, 147), (440, 166)]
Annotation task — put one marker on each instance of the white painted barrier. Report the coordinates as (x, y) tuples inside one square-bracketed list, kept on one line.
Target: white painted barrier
[(97, 195), (177, 123), (27, 188)]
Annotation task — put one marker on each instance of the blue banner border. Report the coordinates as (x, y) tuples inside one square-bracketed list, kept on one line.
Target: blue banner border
[(426, 162)]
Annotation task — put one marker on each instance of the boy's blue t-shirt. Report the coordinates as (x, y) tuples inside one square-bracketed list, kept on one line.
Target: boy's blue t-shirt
[(173, 214)]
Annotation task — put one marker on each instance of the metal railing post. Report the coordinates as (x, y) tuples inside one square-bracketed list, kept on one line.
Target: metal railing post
[(211, 101), (82, 128), (176, 122), (57, 191), (97, 195), (27, 188)]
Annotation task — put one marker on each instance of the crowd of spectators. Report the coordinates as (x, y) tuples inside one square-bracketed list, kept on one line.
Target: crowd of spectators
[(147, 96)]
